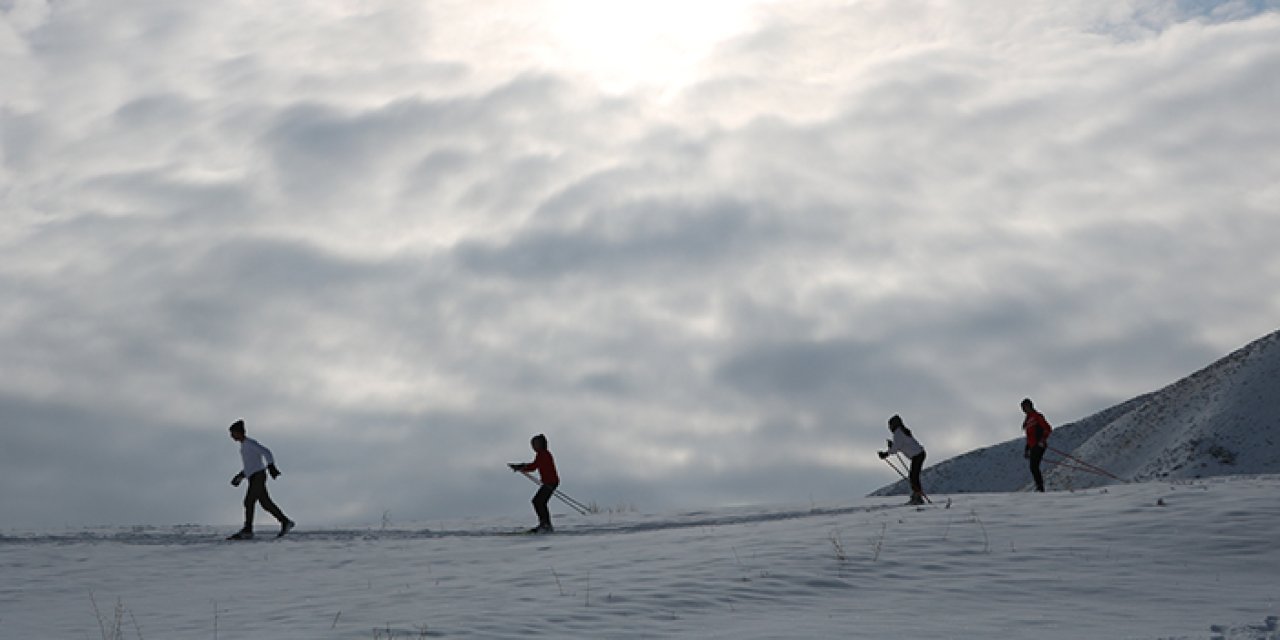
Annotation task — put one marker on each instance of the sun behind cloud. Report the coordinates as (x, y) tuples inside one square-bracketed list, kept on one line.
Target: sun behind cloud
[(647, 46)]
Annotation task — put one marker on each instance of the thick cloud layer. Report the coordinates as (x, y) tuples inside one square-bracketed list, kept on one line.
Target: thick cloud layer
[(707, 256)]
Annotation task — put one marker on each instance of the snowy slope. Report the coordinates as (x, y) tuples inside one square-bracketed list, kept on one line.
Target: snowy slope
[(1185, 560), (1222, 420)]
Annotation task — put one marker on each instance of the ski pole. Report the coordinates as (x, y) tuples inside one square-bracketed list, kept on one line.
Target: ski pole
[(1067, 464), (574, 504), (895, 467), (1095, 468), (904, 477), (901, 470), (581, 507), (577, 506), (906, 466), (1071, 467)]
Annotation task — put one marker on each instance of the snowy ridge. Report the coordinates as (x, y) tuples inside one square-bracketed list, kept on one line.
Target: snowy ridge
[(1221, 420)]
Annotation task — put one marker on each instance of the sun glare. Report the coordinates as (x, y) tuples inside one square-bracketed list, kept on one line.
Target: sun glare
[(651, 45)]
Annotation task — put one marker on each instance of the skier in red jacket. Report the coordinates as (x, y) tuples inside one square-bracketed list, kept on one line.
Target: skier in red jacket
[(1038, 431), (545, 465)]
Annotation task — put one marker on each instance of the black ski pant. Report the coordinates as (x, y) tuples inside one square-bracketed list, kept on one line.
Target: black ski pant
[(917, 464), (257, 494), (1037, 454), (540, 500)]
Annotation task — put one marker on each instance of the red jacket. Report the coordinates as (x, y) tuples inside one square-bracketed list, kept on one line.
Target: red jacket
[(1037, 429), (545, 465)]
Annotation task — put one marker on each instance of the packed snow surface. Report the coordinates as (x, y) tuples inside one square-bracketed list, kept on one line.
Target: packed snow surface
[(1161, 559)]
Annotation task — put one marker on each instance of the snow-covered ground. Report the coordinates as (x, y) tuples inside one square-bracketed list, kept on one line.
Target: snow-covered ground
[(1163, 559)]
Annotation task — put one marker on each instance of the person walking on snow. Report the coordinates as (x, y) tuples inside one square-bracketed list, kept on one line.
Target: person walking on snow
[(545, 465), (257, 462), (903, 442), (1038, 430)]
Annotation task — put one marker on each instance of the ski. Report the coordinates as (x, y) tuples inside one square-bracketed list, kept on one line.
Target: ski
[(522, 532)]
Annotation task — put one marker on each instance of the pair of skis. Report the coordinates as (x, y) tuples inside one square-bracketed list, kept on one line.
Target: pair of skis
[(248, 535)]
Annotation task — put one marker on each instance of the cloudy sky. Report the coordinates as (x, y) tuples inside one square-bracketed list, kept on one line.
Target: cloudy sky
[(708, 248)]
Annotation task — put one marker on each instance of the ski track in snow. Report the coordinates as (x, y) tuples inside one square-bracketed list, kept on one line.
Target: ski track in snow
[(1185, 560), (199, 534)]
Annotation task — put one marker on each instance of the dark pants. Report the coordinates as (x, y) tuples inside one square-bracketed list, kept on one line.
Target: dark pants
[(917, 463), (257, 494), (540, 500), (1037, 453)]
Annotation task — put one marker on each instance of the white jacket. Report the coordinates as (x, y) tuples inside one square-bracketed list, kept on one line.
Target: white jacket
[(252, 454), (905, 444)]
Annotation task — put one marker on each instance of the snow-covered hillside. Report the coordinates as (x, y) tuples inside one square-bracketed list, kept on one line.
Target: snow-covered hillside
[(1222, 420)]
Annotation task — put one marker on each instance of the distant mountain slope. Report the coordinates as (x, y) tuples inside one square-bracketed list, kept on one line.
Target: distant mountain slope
[(1221, 420)]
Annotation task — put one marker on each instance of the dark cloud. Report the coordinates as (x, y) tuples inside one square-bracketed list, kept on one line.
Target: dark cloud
[(822, 373), (71, 463), (642, 237)]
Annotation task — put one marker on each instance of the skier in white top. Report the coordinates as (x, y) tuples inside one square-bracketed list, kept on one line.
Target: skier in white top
[(904, 442), (257, 462)]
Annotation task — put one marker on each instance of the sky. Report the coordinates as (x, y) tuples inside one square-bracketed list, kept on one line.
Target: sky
[(706, 250)]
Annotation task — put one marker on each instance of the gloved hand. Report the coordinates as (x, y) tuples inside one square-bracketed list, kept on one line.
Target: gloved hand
[(1026, 453), (235, 480), (882, 454), (515, 466), (275, 473)]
